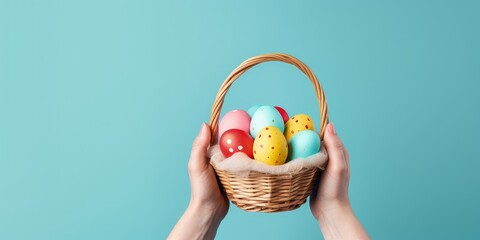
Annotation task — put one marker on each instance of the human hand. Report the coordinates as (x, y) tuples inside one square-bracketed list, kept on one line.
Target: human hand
[(332, 191), (329, 202), (208, 205), (205, 190)]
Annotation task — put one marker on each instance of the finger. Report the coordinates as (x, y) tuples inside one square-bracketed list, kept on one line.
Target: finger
[(337, 159), (198, 156)]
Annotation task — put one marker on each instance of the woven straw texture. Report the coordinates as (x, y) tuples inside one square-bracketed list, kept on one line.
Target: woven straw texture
[(261, 192)]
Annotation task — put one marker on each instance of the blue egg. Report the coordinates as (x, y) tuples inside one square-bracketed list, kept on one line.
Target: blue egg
[(252, 110), (265, 116), (303, 144)]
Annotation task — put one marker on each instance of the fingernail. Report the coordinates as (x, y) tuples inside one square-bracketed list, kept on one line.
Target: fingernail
[(331, 128), (202, 128)]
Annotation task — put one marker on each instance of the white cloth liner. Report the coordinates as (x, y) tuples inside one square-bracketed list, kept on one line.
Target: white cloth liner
[(242, 165)]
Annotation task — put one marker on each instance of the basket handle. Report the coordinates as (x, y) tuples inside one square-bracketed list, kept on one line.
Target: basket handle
[(249, 63)]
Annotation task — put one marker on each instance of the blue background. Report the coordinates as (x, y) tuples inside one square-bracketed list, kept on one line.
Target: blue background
[(100, 100)]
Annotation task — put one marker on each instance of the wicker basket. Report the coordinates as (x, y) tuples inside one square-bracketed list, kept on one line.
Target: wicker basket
[(261, 192)]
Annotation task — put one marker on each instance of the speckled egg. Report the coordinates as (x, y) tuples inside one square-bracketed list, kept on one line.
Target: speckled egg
[(303, 144), (270, 146), (297, 124), (265, 116)]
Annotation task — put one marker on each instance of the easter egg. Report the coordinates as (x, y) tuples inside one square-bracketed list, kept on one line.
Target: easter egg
[(236, 140), (236, 119), (252, 110), (303, 144), (283, 113), (297, 124), (270, 146), (265, 116)]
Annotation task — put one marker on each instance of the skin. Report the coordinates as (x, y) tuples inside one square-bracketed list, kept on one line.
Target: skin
[(208, 205), (329, 202)]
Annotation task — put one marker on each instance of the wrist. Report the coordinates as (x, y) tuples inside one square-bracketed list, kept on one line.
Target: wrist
[(333, 210), (208, 215), (334, 207), (338, 221), (196, 223)]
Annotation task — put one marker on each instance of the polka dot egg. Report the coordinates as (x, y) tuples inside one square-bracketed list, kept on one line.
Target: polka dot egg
[(296, 124), (270, 146), (236, 140)]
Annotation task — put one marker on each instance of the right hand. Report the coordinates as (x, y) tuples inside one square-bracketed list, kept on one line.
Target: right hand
[(332, 191), (329, 203)]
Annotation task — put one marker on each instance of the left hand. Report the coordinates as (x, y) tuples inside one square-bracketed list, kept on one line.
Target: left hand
[(205, 190), (208, 205)]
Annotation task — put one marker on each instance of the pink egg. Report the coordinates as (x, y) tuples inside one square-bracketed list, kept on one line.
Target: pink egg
[(236, 119)]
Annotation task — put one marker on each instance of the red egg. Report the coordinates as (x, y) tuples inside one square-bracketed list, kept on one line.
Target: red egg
[(236, 140), (283, 113)]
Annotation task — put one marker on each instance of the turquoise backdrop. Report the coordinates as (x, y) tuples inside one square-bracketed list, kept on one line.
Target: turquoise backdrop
[(100, 101)]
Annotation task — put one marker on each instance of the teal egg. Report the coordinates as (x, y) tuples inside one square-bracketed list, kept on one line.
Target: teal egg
[(266, 116), (303, 144), (252, 110)]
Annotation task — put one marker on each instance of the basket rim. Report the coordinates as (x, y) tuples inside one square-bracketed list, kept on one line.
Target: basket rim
[(253, 172)]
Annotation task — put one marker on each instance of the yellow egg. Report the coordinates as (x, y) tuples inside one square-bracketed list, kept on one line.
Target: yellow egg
[(270, 146), (296, 124)]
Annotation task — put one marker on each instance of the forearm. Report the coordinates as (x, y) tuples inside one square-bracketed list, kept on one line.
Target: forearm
[(196, 223), (340, 222)]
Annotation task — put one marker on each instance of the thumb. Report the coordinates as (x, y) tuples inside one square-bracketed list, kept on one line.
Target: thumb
[(198, 156), (337, 159)]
